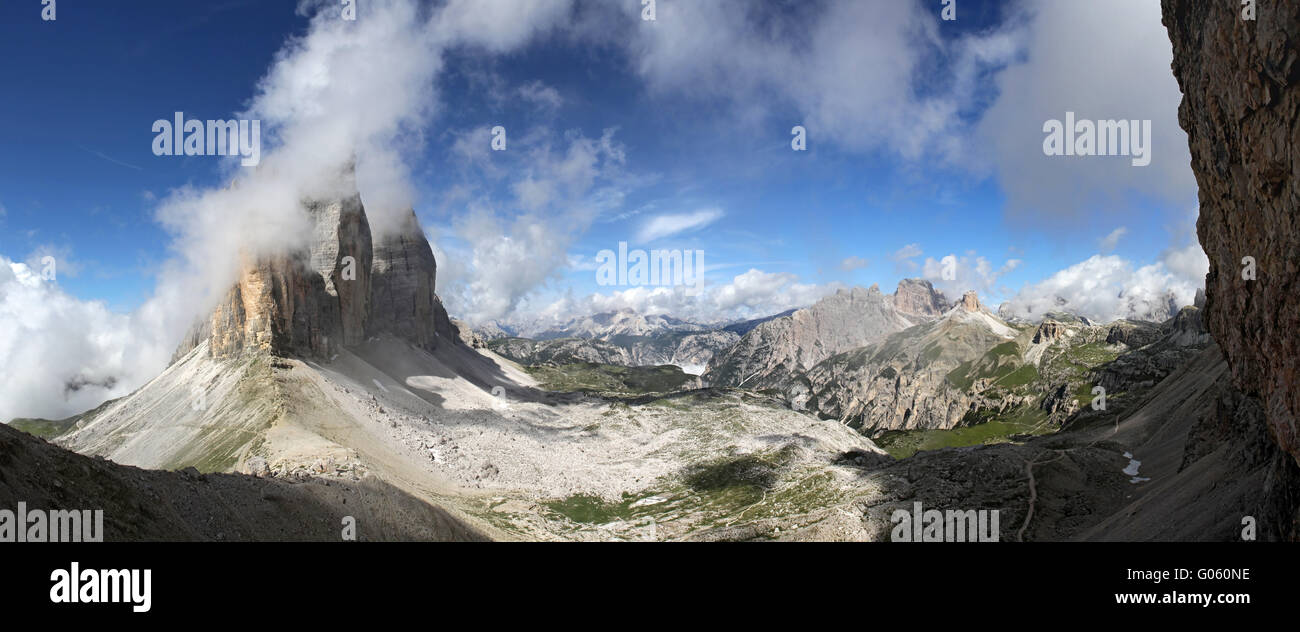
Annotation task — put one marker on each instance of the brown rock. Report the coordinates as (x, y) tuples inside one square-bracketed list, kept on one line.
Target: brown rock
[(1241, 110), (1048, 331), (918, 297)]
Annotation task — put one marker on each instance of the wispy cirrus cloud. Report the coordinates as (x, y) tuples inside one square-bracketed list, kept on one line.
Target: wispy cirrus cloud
[(850, 264), (1109, 242), (672, 224)]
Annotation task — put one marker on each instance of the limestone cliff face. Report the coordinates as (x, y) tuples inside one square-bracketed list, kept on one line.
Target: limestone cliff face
[(1241, 110), (772, 352), (341, 254), (276, 306), (918, 297), (403, 300), (339, 290)]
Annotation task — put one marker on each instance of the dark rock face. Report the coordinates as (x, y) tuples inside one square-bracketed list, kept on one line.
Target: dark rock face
[(403, 302), (1241, 110), (341, 253)]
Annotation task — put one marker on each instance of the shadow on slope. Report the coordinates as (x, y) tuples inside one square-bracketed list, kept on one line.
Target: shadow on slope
[(150, 505)]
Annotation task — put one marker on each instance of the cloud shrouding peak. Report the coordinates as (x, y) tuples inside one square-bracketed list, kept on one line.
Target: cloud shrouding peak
[(1109, 287), (663, 226), (357, 92)]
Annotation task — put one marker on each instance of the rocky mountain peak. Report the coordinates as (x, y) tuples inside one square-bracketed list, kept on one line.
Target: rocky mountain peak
[(338, 290), (918, 297), (403, 300), (970, 301), (1048, 331)]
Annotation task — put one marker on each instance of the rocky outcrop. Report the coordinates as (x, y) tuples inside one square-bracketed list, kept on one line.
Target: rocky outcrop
[(918, 297), (403, 301), (970, 301), (1048, 331), (773, 351), (340, 253), (278, 305), (468, 335), (904, 382), (1241, 109), (338, 290), (690, 351)]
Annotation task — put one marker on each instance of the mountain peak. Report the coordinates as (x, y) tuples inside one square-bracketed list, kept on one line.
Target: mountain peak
[(919, 298), (338, 290)]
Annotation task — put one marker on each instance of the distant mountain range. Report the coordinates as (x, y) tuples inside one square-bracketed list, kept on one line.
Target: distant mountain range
[(622, 337)]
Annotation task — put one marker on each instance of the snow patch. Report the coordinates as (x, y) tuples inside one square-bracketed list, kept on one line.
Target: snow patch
[(1132, 469)]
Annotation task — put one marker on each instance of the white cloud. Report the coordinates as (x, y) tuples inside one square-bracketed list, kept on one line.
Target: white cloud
[(850, 264), (903, 259), (823, 60), (671, 224), (540, 94), (907, 252), (64, 356), (1110, 241), (1109, 287), (1188, 263), (1102, 59), (498, 252), (971, 272)]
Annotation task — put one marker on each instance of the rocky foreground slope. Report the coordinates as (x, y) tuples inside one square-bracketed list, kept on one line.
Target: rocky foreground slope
[(187, 505)]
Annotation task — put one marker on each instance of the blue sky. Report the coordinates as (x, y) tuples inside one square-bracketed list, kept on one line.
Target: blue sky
[(923, 135), (82, 93), (85, 183)]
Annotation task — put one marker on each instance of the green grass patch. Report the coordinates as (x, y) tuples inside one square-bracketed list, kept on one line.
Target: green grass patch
[(588, 509), (960, 377), (45, 428), (1020, 377), (902, 444), (589, 377)]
